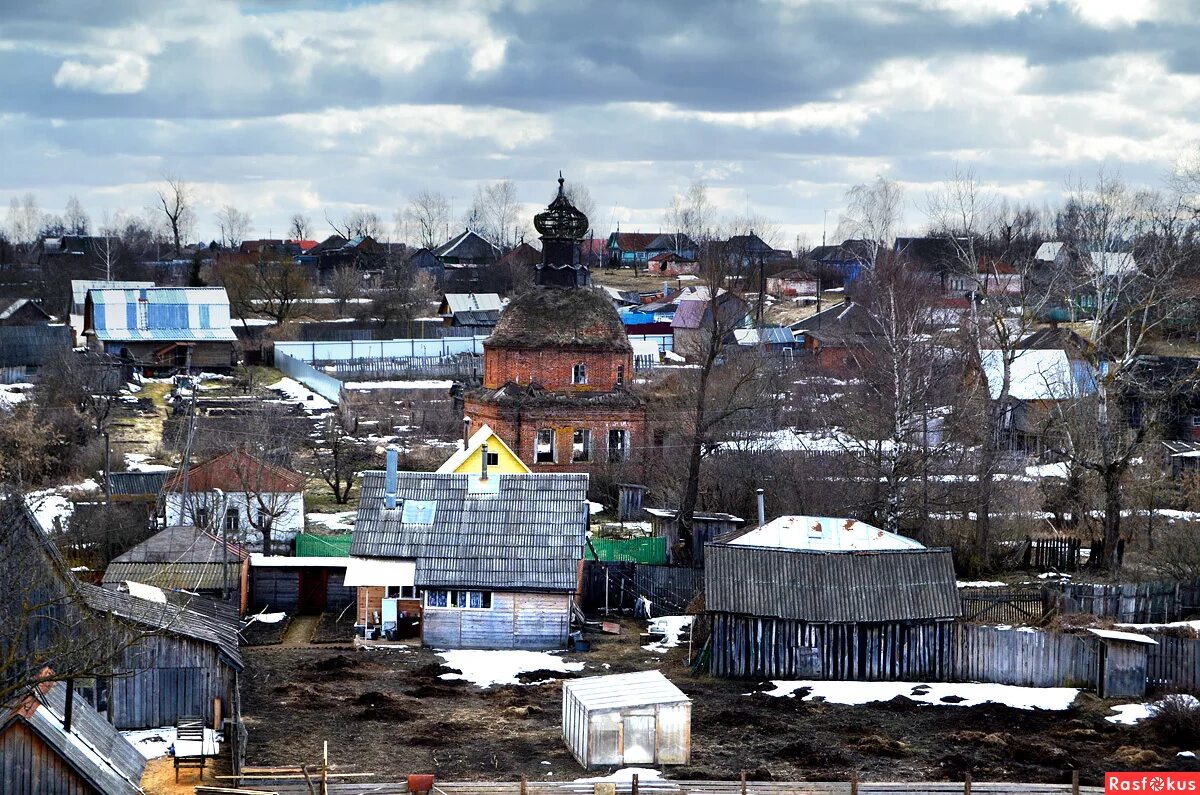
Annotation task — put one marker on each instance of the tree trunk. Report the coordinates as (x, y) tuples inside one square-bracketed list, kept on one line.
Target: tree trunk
[(1113, 551), (691, 489)]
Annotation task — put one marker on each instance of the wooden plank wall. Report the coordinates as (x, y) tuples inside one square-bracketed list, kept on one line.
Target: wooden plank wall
[(30, 767), (1020, 657), (1006, 605), (274, 589), (1134, 603), (515, 621), (750, 646), (1173, 666), (670, 589), (164, 677), (337, 595)]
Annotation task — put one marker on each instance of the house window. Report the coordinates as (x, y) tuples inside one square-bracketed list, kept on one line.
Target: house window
[(620, 375), (618, 445), (464, 600), (493, 459), (265, 520), (579, 373), (1196, 420), (543, 451), (660, 437), (400, 592), (581, 445), (232, 522), (201, 515)]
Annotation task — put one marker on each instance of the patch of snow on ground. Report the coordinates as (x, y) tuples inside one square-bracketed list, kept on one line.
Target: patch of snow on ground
[(1055, 470), (1189, 624), (1187, 754), (487, 668), (363, 385), (671, 627), (55, 503), (151, 743), (594, 508), (140, 462), (961, 694), (12, 394), (625, 774), (266, 618), (1129, 714), (297, 392), (343, 520), (982, 584)]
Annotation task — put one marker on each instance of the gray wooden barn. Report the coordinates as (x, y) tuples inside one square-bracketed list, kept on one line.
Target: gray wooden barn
[(640, 718), (495, 560), (299, 584), (47, 746), (803, 614)]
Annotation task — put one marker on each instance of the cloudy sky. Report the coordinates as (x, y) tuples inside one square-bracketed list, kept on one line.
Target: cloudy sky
[(278, 107)]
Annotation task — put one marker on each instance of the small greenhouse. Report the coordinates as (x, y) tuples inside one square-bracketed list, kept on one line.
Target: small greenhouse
[(627, 719)]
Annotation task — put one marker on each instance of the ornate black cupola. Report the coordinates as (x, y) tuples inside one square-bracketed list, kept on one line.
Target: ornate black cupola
[(562, 227)]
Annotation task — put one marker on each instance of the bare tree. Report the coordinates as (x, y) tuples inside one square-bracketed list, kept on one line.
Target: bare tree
[(345, 283), (175, 199), (234, 224), (338, 456), (24, 220), (496, 214), (691, 214), (873, 213), (300, 227), (429, 213), (357, 223), (579, 195), (75, 218), (274, 286)]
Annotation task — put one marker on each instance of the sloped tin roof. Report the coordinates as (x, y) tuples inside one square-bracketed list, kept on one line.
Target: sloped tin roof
[(188, 314)]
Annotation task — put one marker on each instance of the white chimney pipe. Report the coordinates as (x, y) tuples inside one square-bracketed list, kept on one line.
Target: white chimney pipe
[(466, 431), (762, 508), (483, 465), (391, 482)]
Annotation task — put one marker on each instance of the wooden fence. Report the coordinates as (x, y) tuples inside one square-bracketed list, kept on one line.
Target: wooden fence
[(1003, 605), (1173, 666), (1053, 553), (1133, 603), (618, 586), (1024, 657)]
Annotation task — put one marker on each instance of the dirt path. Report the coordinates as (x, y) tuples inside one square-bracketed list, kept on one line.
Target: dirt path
[(300, 632)]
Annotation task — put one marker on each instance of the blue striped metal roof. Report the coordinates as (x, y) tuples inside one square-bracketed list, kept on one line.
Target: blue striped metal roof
[(161, 314)]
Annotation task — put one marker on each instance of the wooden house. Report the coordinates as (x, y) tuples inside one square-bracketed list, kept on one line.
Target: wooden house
[(140, 488), (808, 611), (188, 560), (706, 527), (474, 313), (241, 497), (162, 329), (694, 321), (468, 248), (26, 349), (53, 742), (481, 560), (162, 657), (791, 283), (80, 288), (639, 718), (1040, 380)]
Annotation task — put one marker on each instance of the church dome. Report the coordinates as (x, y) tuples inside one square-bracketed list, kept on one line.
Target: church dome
[(561, 220), (569, 319)]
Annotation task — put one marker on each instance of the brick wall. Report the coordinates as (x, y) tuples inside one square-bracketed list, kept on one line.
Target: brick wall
[(553, 368)]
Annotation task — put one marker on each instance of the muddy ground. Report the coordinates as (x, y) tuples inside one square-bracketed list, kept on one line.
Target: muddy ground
[(387, 711)]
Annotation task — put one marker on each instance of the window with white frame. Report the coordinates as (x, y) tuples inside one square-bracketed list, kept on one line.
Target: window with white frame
[(581, 445), (201, 517), (618, 445), (620, 375), (400, 592), (1196, 420), (579, 373), (232, 521), (543, 449), (464, 600)]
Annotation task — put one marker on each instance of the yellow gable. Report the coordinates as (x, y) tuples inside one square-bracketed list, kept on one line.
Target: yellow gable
[(467, 461)]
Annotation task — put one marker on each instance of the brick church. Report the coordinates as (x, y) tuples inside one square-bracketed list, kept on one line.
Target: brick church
[(557, 367)]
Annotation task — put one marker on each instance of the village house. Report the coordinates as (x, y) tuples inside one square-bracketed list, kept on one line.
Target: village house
[(52, 742), (468, 247), (557, 368), (804, 597), (1040, 380), (140, 488), (693, 323), (468, 458), (29, 340), (629, 249), (839, 338), (240, 497), (186, 560), (474, 560), (792, 283), (848, 259), (470, 314), (162, 329)]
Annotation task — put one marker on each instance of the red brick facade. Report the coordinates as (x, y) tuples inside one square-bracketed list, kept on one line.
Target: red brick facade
[(556, 369)]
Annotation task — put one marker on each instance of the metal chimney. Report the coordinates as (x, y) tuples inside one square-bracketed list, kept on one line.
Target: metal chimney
[(483, 458), (762, 508), (466, 431), (390, 484)]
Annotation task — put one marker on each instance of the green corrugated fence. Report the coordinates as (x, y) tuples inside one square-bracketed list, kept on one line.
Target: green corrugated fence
[(637, 550), (312, 546)]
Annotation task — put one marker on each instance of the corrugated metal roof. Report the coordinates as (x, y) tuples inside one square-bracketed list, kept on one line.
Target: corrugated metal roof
[(199, 620), (197, 314), (643, 688), (93, 747), (238, 471), (32, 346), (831, 587), (173, 576), (470, 302), (80, 287), (181, 544), (137, 484), (525, 532)]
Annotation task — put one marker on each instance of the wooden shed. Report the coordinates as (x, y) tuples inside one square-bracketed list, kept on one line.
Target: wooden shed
[(627, 719), (307, 584), (52, 744), (1121, 663), (705, 528)]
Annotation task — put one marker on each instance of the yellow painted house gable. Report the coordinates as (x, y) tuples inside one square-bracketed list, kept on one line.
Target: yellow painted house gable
[(466, 460)]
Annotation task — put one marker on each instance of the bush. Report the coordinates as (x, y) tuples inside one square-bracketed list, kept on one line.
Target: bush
[(1176, 719)]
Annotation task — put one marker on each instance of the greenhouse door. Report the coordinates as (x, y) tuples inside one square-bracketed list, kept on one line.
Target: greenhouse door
[(640, 739)]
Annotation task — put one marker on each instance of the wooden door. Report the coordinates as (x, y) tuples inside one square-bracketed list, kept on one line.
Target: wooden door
[(313, 583)]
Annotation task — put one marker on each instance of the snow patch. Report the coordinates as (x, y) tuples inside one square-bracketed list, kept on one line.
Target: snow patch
[(671, 628), (140, 462), (954, 694), (486, 668), (982, 584), (1130, 714), (297, 392), (343, 520), (12, 394), (364, 385), (625, 774), (266, 618)]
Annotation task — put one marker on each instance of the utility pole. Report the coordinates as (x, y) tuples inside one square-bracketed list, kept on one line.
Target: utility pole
[(107, 469), (187, 457), (824, 222)]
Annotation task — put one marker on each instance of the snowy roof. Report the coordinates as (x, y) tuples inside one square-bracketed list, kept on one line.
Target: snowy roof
[(822, 533), (1128, 637), (1033, 375), (1048, 252), (374, 571), (644, 348), (616, 691), (477, 440), (80, 287), (1112, 263), (169, 314), (469, 302)]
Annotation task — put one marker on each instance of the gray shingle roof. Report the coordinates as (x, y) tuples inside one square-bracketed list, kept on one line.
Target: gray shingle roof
[(525, 535), (93, 747), (32, 345), (203, 623), (833, 587), (175, 576), (181, 544)]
